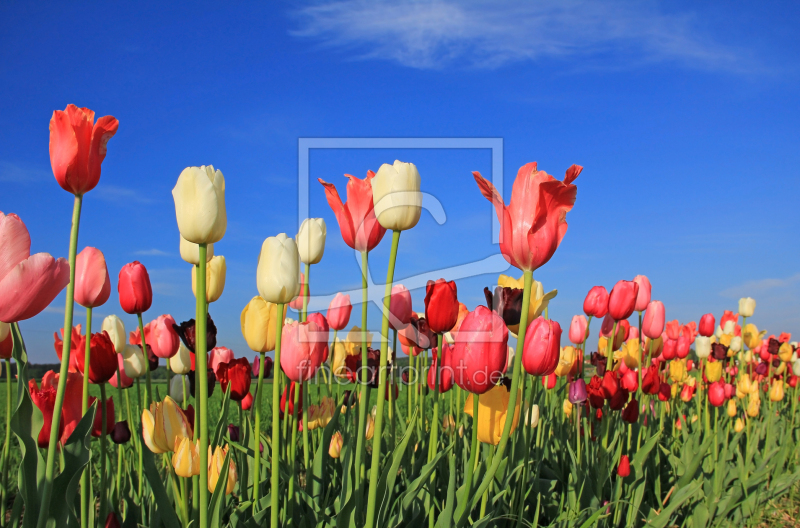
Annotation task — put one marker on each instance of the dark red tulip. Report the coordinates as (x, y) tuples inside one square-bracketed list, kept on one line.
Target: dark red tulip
[(622, 299), (719, 351), (441, 305), (618, 400), (630, 413), (610, 385), (102, 358), (542, 348), (268, 363), (135, 292), (112, 521), (233, 433), (186, 331), (506, 302), (97, 425), (189, 413), (446, 373), (595, 389), (624, 468), (121, 433), (664, 392), (596, 302), (236, 375), (651, 383)]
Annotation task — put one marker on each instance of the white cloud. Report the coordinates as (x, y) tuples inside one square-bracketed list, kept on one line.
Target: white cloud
[(113, 193), (760, 287), (485, 33), (152, 253), (22, 173)]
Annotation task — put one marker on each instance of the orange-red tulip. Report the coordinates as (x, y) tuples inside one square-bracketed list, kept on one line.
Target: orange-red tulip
[(356, 217)]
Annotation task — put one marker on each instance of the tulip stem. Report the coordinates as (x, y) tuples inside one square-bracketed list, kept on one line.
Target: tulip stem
[(49, 471), (641, 352), (376, 440), (364, 401), (473, 460), (257, 429), (86, 497), (433, 443), (523, 483), (148, 393), (275, 448), (104, 425), (119, 447), (293, 444), (201, 382), (512, 400), (7, 445), (304, 295), (306, 450)]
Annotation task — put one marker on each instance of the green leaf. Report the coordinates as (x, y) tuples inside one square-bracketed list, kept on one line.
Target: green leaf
[(163, 506), (222, 421), (315, 480)]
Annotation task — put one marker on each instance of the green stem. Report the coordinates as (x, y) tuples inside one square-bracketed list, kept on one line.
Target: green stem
[(364, 401), (49, 471), (524, 481), (293, 457), (641, 349), (304, 293), (473, 460), (120, 446), (257, 430), (104, 425), (148, 396), (433, 443), (376, 440), (7, 443), (201, 383), (276, 426), (86, 495)]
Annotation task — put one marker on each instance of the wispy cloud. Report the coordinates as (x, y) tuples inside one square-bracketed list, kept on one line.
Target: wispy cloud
[(755, 288), (491, 33), (152, 253), (22, 173), (113, 193)]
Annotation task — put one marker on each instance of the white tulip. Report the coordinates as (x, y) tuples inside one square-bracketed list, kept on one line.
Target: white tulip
[(718, 332), (747, 305), (190, 252), (396, 196), (794, 357), (200, 204), (702, 347), (116, 331), (278, 272), (133, 361), (736, 344), (310, 240), (216, 270), (796, 367), (181, 363), (532, 415), (729, 327), (176, 389)]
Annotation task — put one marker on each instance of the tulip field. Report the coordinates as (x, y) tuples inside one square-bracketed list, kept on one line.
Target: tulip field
[(440, 415)]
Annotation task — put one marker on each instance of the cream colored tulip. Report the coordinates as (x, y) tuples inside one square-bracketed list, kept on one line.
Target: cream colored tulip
[(215, 278), (702, 347), (310, 240), (116, 331), (190, 252), (258, 324), (176, 389), (186, 459), (796, 367), (396, 196), (200, 204), (747, 305), (736, 344), (5, 328), (532, 415), (278, 272), (181, 363), (729, 328), (133, 361)]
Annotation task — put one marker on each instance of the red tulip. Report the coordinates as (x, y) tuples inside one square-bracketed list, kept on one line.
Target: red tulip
[(481, 351), (446, 373), (650, 381), (7, 347), (577, 329), (728, 316), (610, 384), (301, 352), (707, 325), (441, 305), (630, 413), (357, 222), (97, 425), (784, 337), (235, 373), (322, 335), (135, 293), (400, 308), (595, 391), (73, 397), (716, 393), (247, 402), (542, 348), (288, 393), (596, 302), (103, 359), (630, 380), (653, 322), (624, 468), (673, 329), (78, 147), (92, 284), (622, 299), (339, 311), (112, 521), (45, 400), (665, 391), (687, 392), (535, 221), (28, 283), (670, 350), (643, 296), (74, 344), (218, 356), (684, 343), (549, 381)]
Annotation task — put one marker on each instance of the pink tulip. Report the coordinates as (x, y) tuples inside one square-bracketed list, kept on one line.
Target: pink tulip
[(28, 283), (596, 302), (707, 324), (670, 350), (339, 311), (160, 335), (535, 221), (323, 334), (218, 356), (400, 307), (301, 352), (633, 333), (126, 381), (622, 299), (542, 348), (643, 297), (92, 283), (577, 329), (480, 353), (653, 323), (297, 303)]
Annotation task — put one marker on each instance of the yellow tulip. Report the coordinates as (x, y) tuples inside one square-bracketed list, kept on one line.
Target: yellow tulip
[(215, 468), (751, 336), (162, 424), (566, 407), (369, 430), (746, 386), (258, 324), (186, 459), (215, 278), (492, 410), (199, 198), (335, 448), (352, 343), (539, 299), (338, 366), (785, 352), (713, 371), (190, 252), (776, 391), (725, 339), (677, 370), (738, 426), (753, 407), (629, 353), (731, 408), (566, 361)]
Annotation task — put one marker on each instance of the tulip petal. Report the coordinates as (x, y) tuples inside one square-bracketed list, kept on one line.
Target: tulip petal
[(14, 241), (341, 212), (103, 130), (31, 286), (148, 430)]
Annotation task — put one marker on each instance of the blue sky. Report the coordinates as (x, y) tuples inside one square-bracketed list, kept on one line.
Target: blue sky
[(684, 116)]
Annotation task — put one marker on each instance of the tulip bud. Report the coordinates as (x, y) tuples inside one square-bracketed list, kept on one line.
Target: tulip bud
[(624, 468), (215, 278), (738, 426), (135, 292), (310, 240), (190, 252), (369, 430), (396, 196), (441, 305), (622, 299), (199, 197), (336, 445), (747, 305), (278, 272), (133, 361), (121, 432), (216, 469), (339, 311), (115, 329), (731, 408), (754, 407), (112, 521), (776, 391), (706, 326), (181, 363), (566, 407), (400, 307), (643, 296), (596, 302), (577, 391), (186, 459), (541, 351), (577, 329), (532, 415), (702, 347), (653, 323), (233, 433), (176, 388), (736, 344), (92, 284)]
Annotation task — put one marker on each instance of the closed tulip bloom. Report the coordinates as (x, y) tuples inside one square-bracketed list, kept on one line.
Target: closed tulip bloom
[(479, 356), (162, 424), (566, 408), (258, 324), (186, 458), (356, 217), (624, 468), (135, 292), (567, 362), (706, 326), (776, 391), (738, 426), (747, 305), (736, 344), (337, 441), (78, 147), (596, 302), (630, 414), (396, 196), (577, 391), (577, 329), (541, 352), (161, 336), (713, 371), (339, 311), (653, 322), (441, 305), (731, 410), (492, 413), (268, 364), (236, 375), (643, 296), (716, 394), (92, 284), (133, 361), (215, 278), (753, 407), (115, 329), (400, 307), (121, 433), (301, 352), (534, 222), (311, 240), (127, 381), (622, 299), (103, 358), (199, 197), (28, 283), (445, 372), (181, 362), (190, 252), (278, 272), (216, 468), (702, 346), (176, 388)]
